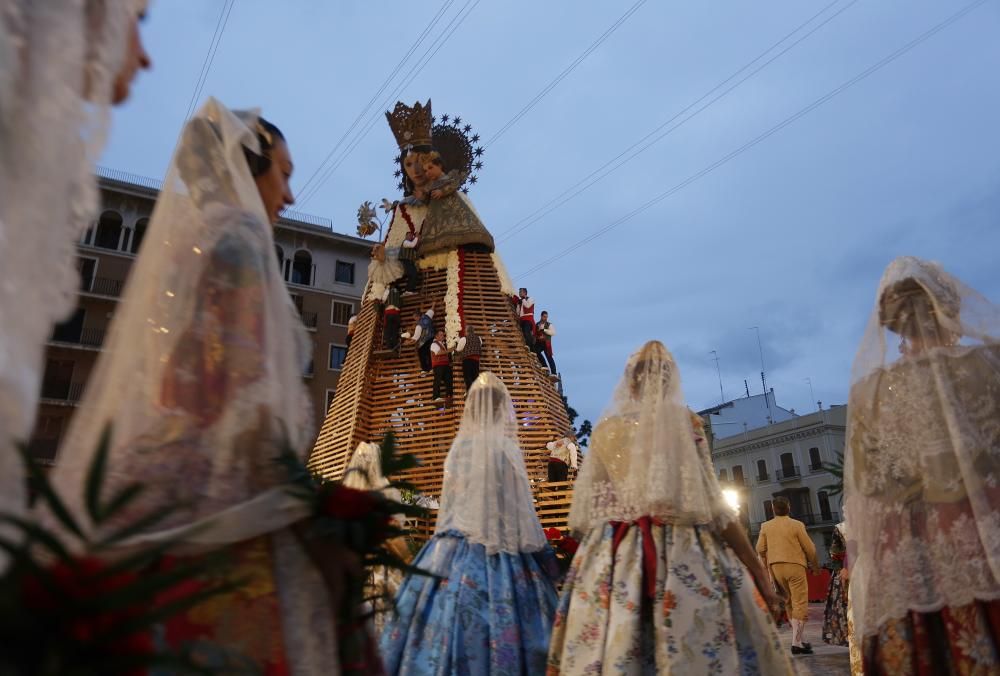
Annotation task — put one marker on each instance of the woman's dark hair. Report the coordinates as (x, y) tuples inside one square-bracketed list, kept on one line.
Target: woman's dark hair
[(267, 136)]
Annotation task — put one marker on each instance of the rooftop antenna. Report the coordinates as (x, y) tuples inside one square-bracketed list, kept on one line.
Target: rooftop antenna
[(746, 385), (722, 395), (763, 380), (811, 393)]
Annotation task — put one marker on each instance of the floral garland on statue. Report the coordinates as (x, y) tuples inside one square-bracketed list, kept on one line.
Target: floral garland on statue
[(362, 522), (461, 289), (91, 613), (506, 286), (452, 304)]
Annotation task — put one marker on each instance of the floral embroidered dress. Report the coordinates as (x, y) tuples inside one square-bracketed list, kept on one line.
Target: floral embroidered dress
[(835, 615), (922, 477), (653, 589), (488, 607)]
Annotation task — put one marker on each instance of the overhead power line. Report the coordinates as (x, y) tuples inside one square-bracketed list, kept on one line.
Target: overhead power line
[(658, 134), (566, 71), (764, 136), (415, 70), (213, 48), (385, 83)]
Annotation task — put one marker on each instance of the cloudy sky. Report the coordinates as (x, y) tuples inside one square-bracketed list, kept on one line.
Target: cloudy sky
[(790, 235)]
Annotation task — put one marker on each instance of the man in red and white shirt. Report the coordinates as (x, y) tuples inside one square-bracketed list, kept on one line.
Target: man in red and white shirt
[(543, 341), (525, 307), (441, 363)]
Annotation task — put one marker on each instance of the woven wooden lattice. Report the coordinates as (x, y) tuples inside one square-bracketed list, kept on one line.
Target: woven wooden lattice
[(378, 393)]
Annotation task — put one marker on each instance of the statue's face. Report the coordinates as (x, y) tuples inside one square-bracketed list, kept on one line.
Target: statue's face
[(413, 165)]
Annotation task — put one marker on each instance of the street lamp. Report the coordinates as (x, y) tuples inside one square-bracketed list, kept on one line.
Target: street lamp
[(732, 498)]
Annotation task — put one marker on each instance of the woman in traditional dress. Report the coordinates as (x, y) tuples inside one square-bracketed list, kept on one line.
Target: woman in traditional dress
[(656, 586), (200, 385), (488, 610), (922, 477), (62, 65), (364, 472), (835, 615)]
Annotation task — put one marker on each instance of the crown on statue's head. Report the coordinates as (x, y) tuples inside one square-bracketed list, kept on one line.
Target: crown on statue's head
[(411, 125)]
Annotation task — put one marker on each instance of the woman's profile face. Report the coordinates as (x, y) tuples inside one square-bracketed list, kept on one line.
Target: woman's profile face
[(273, 184)]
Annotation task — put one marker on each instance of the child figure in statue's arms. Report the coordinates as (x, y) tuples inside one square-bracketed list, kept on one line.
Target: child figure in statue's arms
[(440, 184)]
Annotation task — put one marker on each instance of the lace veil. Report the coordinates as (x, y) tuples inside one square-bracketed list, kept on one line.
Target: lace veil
[(922, 472), (486, 494), (644, 458), (201, 377), (364, 471), (49, 139)]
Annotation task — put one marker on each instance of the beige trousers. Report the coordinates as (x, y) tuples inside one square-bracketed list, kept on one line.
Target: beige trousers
[(791, 577)]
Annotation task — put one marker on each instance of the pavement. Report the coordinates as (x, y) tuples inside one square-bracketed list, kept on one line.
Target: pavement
[(827, 660)]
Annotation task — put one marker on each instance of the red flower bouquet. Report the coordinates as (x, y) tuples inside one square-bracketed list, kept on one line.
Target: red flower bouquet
[(86, 615)]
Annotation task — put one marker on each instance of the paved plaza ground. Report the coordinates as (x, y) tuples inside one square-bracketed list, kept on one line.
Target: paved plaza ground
[(828, 660)]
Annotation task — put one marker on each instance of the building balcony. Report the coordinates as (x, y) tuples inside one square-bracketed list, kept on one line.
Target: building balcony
[(812, 520), (787, 474), (62, 392), (102, 286), (310, 319), (816, 466), (91, 339)]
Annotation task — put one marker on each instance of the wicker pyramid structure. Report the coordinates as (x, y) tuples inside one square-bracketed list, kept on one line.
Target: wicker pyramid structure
[(380, 392)]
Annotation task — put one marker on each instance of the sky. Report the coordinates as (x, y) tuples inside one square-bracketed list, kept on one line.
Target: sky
[(791, 235)]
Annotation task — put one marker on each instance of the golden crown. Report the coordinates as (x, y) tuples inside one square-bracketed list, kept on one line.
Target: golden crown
[(411, 125)]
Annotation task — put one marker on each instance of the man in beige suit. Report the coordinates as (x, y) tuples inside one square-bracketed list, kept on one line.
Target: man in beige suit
[(786, 550)]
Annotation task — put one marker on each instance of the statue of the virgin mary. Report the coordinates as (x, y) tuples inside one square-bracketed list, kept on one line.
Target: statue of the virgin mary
[(435, 164)]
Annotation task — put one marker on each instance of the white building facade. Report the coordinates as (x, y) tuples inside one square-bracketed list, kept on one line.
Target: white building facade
[(792, 459)]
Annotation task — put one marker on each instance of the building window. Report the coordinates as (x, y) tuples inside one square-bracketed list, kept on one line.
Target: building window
[(109, 231), (281, 256), (723, 474), (768, 510), (824, 506), (140, 233), (788, 468), (338, 353), (330, 394), (45, 440), (814, 462), (70, 330), (344, 272), (57, 383), (302, 267), (761, 470), (87, 268), (738, 476), (341, 313)]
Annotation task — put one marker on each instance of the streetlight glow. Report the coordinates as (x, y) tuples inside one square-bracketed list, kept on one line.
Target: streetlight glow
[(732, 498)]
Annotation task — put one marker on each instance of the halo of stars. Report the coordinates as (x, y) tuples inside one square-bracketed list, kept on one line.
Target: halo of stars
[(459, 148)]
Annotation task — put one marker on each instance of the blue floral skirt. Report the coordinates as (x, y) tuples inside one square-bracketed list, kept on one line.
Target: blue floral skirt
[(483, 615)]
